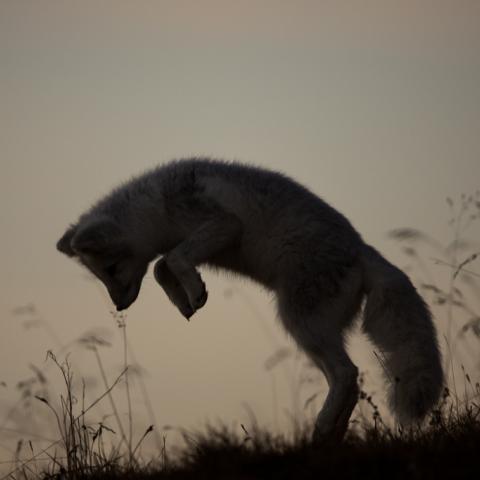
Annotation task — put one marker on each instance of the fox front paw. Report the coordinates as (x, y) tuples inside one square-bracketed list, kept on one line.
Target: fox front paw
[(196, 291), (183, 307), (201, 299), (188, 297), (173, 289)]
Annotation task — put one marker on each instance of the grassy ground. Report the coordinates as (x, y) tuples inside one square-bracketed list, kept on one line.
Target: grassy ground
[(444, 450), (447, 445)]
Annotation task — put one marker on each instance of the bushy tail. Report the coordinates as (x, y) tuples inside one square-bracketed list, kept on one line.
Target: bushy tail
[(399, 322)]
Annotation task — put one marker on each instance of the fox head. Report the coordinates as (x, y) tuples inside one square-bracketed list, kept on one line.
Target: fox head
[(103, 247)]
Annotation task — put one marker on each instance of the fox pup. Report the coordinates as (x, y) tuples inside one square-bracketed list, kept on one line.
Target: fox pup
[(265, 226)]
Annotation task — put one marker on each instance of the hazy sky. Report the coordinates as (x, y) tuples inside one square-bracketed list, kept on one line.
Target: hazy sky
[(375, 105)]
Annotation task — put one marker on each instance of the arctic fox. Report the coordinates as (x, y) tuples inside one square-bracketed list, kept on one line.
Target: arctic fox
[(264, 225)]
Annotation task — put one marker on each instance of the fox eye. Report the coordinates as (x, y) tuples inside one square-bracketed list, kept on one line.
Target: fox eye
[(111, 269)]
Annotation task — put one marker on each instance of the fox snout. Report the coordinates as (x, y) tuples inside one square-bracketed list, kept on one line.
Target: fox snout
[(122, 305), (124, 297)]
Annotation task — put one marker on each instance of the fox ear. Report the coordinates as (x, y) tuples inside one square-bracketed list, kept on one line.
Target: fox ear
[(64, 244), (96, 237)]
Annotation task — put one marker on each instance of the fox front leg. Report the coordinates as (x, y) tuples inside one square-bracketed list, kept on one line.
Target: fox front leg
[(216, 234), (173, 288)]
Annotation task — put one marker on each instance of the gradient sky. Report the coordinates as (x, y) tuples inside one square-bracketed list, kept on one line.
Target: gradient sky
[(374, 105)]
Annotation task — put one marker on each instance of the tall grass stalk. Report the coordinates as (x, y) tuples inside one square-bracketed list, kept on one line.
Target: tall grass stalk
[(123, 327), (110, 396)]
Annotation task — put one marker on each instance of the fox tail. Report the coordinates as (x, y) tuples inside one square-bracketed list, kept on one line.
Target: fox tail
[(399, 323)]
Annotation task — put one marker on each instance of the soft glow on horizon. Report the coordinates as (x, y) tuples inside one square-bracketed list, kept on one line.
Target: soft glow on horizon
[(376, 109)]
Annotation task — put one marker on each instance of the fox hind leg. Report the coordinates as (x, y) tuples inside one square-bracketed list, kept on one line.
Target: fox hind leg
[(332, 421), (328, 353), (318, 329)]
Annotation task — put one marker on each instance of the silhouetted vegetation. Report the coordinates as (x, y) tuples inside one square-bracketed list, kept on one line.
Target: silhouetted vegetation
[(446, 445)]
